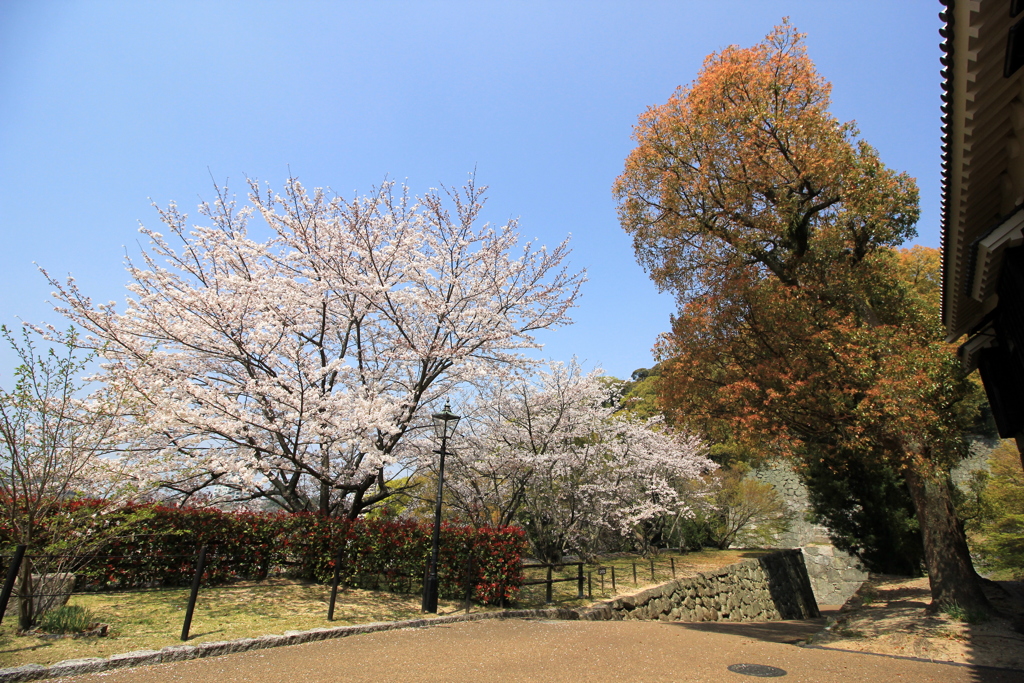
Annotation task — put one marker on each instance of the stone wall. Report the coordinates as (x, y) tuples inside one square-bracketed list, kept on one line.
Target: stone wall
[(835, 575), (981, 448), (769, 588)]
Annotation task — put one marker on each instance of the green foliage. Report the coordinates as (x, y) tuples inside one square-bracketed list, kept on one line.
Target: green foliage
[(640, 394), (693, 533), (66, 619), (740, 512), (749, 513), (865, 505), (997, 530)]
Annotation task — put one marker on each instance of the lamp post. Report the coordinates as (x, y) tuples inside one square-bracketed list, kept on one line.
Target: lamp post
[(444, 429)]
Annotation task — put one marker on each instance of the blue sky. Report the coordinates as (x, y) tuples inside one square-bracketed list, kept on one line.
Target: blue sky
[(105, 106)]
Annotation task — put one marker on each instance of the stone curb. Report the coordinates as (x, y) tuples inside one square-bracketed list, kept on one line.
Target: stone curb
[(177, 653)]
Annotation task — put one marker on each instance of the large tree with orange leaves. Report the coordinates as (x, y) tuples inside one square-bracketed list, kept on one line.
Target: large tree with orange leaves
[(776, 228)]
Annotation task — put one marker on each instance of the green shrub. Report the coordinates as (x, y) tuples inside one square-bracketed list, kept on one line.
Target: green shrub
[(955, 610), (66, 619), (160, 550)]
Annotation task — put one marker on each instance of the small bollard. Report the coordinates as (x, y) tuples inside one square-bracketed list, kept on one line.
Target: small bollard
[(579, 580), (634, 574), (548, 598), (590, 585), (613, 580), (673, 560)]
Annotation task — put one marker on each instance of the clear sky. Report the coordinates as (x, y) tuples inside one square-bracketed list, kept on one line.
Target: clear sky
[(105, 106)]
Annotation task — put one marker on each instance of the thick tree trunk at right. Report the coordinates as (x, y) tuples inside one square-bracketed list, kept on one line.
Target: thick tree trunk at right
[(948, 559)]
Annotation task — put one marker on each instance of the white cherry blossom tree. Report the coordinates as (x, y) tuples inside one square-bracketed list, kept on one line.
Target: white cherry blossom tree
[(551, 453), (294, 368)]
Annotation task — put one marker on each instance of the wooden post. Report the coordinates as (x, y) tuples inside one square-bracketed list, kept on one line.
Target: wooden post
[(673, 560), (579, 580), (200, 565), (634, 574), (548, 598), (613, 579), (12, 576), (590, 585), (652, 572)]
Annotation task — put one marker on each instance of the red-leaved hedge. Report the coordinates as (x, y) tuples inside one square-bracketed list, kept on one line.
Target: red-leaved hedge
[(160, 550)]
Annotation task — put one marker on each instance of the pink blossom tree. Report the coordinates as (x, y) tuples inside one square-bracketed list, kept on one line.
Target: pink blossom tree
[(552, 453), (294, 368)]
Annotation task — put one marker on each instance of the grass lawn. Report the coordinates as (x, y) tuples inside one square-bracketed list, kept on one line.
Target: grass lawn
[(152, 620)]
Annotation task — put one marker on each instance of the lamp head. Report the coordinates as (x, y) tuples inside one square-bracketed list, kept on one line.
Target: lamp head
[(445, 422)]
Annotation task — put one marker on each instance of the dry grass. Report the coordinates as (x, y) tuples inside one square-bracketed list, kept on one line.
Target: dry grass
[(889, 616)]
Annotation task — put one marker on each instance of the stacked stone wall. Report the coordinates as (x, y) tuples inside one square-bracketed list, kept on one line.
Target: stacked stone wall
[(835, 575), (769, 588)]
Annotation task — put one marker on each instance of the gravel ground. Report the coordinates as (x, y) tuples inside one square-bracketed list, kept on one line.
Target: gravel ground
[(556, 651)]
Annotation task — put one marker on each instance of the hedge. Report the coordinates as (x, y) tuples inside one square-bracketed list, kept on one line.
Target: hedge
[(160, 550)]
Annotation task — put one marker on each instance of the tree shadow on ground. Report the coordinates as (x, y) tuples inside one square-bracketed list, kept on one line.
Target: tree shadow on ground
[(889, 616), (791, 632)]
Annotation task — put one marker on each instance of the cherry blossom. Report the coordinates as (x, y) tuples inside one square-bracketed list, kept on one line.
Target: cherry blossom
[(294, 368), (552, 453)]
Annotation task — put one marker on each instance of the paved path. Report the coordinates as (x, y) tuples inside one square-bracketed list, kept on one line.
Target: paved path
[(553, 652)]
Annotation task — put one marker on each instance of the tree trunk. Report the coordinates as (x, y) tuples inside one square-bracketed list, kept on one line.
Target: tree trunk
[(26, 611), (325, 489), (1019, 438), (946, 555)]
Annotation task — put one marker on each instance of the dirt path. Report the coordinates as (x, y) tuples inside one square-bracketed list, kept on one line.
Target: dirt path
[(554, 651), (888, 616)]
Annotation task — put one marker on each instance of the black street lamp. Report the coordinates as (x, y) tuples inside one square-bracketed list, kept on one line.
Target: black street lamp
[(444, 429)]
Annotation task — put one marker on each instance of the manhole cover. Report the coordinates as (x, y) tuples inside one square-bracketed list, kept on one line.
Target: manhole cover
[(759, 670)]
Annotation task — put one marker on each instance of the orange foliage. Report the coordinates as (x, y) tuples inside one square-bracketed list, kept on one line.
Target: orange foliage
[(776, 228), (800, 324), (746, 166)]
